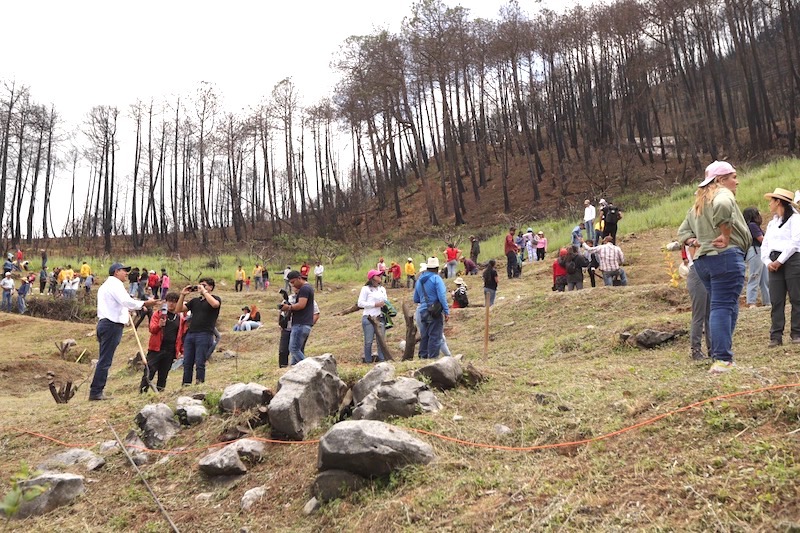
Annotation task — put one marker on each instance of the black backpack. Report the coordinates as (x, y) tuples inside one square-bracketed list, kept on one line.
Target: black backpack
[(612, 216), (460, 297), (571, 266)]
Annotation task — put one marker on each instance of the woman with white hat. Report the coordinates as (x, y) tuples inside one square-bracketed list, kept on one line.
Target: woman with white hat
[(778, 252), (371, 299)]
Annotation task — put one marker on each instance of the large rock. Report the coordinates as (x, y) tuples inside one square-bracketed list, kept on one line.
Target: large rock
[(61, 490), (89, 460), (333, 484), (377, 375), (402, 397), (650, 338), (224, 462), (158, 424), (241, 397), (443, 374), (307, 393), (136, 448), (370, 448)]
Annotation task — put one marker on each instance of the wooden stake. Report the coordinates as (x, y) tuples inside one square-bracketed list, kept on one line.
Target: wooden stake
[(144, 358), (486, 327)]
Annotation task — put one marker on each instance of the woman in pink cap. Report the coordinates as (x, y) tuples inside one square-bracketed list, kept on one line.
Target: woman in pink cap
[(371, 299)]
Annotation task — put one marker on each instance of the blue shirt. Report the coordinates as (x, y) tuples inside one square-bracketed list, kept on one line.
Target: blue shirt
[(434, 289), (577, 234)]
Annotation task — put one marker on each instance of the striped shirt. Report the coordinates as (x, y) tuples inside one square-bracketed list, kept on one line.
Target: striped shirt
[(609, 256)]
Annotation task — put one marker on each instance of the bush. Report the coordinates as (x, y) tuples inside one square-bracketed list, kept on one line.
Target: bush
[(75, 310)]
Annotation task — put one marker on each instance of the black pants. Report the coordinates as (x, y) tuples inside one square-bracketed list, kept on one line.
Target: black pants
[(283, 348), (785, 281), (157, 362), (610, 229), (238, 285), (511, 264), (540, 254), (318, 283)]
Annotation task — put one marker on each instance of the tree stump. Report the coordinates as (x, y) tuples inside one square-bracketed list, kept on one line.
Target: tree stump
[(411, 332), (387, 354)]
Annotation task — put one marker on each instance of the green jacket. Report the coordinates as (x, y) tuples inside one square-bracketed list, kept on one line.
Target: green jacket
[(705, 228)]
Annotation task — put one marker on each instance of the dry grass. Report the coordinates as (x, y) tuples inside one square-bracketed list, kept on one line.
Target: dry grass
[(558, 373)]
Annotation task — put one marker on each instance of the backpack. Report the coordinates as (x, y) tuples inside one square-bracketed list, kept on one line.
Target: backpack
[(460, 297), (613, 215), (571, 266)]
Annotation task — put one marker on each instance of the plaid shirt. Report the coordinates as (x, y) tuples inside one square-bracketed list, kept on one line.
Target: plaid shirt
[(609, 255)]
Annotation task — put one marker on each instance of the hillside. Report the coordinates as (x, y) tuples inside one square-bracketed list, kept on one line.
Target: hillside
[(558, 373)]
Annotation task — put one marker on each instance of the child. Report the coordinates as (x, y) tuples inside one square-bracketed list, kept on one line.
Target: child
[(560, 271), (247, 284)]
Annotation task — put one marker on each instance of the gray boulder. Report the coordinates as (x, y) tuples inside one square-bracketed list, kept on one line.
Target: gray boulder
[(158, 424), (89, 460), (224, 462), (650, 338), (370, 448), (136, 448), (443, 374), (252, 497), (250, 449), (400, 397), (190, 410), (378, 374), (241, 397), (307, 393), (333, 484), (61, 490)]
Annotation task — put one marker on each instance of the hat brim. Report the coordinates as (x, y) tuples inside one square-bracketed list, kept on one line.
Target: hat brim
[(791, 201)]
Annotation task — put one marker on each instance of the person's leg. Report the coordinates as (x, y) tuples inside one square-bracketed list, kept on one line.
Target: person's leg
[(189, 356), (623, 277), (792, 276), (699, 298), (608, 278), (296, 341), (202, 347), (579, 285), (109, 334), (570, 286), (283, 348), (163, 366), (445, 348), (369, 335), (777, 291), (381, 357), (435, 333), (764, 286), (149, 371), (726, 272), (511, 263), (754, 269), (422, 326)]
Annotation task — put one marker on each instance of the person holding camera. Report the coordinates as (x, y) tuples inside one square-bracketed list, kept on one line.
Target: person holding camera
[(371, 299), (302, 315), (431, 295), (167, 328), (199, 337)]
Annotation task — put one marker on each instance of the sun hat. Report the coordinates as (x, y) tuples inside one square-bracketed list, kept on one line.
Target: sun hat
[(372, 273), (602, 201), (781, 194), (540, 233), (8, 273), (152, 271), (716, 169), (459, 281), (410, 260), (423, 266), (530, 230), (245, 308), (117, 266), (433, 262)]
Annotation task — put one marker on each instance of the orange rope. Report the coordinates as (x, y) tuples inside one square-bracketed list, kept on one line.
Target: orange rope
[(445, 437)]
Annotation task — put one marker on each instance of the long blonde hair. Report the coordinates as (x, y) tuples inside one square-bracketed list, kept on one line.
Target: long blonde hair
[(705, 195)]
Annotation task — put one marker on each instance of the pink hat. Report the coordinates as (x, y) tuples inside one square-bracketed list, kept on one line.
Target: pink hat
[(372, 273), (716, 169)]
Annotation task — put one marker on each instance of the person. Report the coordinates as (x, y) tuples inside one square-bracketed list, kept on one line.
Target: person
[(113, 307), (779, 252), (577, 235), (265, 275), (381, 266), (42, 280), (594, 263), (397, 273), (371, 299), (167, 330), (470, 267), (451, 254), (165, 283), (144, 278), (258, 277), (200, 335), (530, 244), (611, 258), (302, 316), (133, 279), (520, 242), (541, 246), (474, 248), (87, 284), (238, 279), (560, 271), (490, 281), (285, 323), (757, 273), (318, 271), (574, 263), (715, 226), (611, 217), (249, 320), (154, 284), (44, 257), (286, 284), (701, 307), (460, 298), (73, 286), (7, 284), (85, 271), (8, 266), (247, 284), (510, 249), (411, 273), (430, 289), (22, 293), (589, 214)]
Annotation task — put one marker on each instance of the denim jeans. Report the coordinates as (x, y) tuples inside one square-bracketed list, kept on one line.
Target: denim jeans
[(785, 281), (452, 266), (590, 231), (723, 277), (7, 300), (21, 304), (757, 277), (196, 346), (369, 337), (297, 342), (608, 277), (511, 264), (109, 334), (430, 335), (701, 307), (492, 293)]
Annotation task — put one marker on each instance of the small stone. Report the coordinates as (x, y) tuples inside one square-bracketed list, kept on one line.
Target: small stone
[(500, 429), (311, 507), (229, 354), (204, 496), (109, 446), (457, 418), (253, 496)]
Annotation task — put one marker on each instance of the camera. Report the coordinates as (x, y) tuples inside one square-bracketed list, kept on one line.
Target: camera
[(164, 308), (193, 288), (285, 298)]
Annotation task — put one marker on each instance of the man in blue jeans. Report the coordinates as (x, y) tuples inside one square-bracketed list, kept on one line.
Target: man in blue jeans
[(430, 289), (200, 334), (302, 315)]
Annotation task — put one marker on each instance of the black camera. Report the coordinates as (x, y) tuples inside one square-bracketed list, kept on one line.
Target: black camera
[(285, 299), (193, 288)]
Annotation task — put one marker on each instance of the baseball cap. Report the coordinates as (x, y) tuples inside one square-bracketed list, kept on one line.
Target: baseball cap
[(117, 266), (715, 169)]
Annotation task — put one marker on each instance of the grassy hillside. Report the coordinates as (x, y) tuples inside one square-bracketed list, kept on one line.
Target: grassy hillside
[(558, 373)]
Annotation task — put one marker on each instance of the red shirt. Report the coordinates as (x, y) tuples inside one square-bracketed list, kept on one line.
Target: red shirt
[(152, 281), (304, 270), (452, 254), (510, 245), (558, 270), (396, 273)]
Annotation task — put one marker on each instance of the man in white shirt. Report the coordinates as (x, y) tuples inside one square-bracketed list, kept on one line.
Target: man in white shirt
[(7, 284), (589, 214), (113, 307), (318, 270)]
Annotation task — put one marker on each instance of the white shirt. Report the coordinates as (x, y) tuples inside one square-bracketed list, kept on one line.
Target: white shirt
[(369, 296), (7, 283), (286, 274), (114, 302), (784, 239), (589, 213), (318, 270)]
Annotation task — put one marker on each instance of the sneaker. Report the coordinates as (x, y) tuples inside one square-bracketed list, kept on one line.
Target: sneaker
[(773, 343), (720, 367), (698, 355), (100, 398)]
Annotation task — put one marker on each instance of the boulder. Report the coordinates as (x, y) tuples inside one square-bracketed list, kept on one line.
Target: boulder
[(224, 462), (249, 449), (252, 497), (401, 397), (61, 490), (136, 448), (89, 460), (241, 397), (370, 448), (378, 374), (308, 393), (190, 410), (650, 338), (109, 447), (443, 374), (333, 484), (158, 424)]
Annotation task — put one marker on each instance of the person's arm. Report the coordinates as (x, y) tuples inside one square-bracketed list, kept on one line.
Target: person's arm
[(181, 307), (213, 302), (157, 321), (441, 292), (363, 303), (686, 235)]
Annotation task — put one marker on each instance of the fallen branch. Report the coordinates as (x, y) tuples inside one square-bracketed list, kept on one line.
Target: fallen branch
[(387, 354), (411, 332)]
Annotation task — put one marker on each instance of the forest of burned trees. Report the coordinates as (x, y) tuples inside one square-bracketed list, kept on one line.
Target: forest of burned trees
[(437, 109)]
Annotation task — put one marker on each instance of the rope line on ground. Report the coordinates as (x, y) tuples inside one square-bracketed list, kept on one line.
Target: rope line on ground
[(462, 442)]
